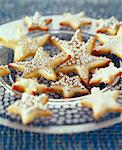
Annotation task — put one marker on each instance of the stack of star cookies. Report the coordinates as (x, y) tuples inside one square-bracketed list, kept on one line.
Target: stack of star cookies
[(80, 58)]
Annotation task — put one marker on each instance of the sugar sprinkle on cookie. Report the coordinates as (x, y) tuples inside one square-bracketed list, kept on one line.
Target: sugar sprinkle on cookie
[(37, 22), (30, 107), (41, 65), (69, 86)]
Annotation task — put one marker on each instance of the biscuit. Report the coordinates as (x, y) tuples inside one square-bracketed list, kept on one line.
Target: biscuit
[(41, 65), (71, 46), (36, 22), (105, 75), (30, 86), (102, 102), (110, 25), (25, 46), (82, 61), (75, 21), (110, 44), (30, 107), (68, 86), (4, 70)]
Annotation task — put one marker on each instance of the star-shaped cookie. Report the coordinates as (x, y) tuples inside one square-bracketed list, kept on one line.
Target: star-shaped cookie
[(68, 86), (75, 21), (110, 44), (37, 22), (102, 102), (82, 61), (105, 75), (41, 65), (30, 86), (30, 107), (110, 25), (71, 46), (25, 46), (4, 70)]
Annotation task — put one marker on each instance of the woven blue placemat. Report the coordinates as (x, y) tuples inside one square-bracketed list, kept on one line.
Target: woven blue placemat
[(104, 139)]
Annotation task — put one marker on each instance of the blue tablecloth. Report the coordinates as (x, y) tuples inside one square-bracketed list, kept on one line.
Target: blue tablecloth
[(109, 138), (105, 139)]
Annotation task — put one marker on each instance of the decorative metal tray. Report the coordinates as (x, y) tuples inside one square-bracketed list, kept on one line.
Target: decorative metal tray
[(68, 115)]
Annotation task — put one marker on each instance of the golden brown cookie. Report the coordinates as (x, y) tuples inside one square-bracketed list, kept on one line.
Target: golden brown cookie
[(30, 107), (102, 102), (30, 86), (25, 46), (110, 25), (82, 61), (37, 22), (4, 70), (69, 86), (71, 46), (75, 21), (41, 65), (105, 75), (110, 44)]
